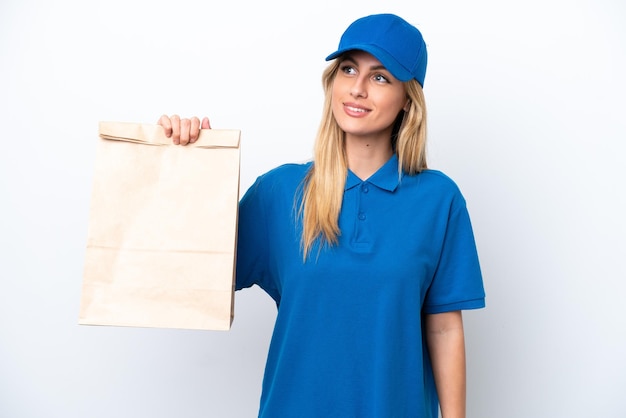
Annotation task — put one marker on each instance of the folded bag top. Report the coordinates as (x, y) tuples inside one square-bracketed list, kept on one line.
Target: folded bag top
[(150, 134)]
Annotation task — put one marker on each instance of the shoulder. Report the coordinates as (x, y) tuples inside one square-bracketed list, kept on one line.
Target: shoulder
[(437, 178), (282, 181), (284, 176), (437, 182), (432, 188), (287, 171)]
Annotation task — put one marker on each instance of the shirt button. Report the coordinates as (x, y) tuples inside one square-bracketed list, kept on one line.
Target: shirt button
[(365, 189), (362, 216)]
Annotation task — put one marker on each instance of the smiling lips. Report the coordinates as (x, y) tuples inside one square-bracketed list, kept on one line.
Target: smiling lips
[(354, 110)]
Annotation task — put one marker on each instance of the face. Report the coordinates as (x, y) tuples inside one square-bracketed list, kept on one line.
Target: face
[(366, 98)]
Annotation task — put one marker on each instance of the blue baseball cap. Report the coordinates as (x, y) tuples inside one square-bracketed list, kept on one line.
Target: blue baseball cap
[(397, 44)]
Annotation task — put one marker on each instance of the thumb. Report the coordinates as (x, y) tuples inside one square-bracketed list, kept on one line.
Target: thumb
[(206, 124)]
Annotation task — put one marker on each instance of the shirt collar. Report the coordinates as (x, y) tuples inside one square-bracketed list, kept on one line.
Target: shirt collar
[(385, 178)]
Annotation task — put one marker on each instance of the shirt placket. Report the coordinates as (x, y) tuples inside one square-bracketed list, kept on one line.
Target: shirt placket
[(362, 237)]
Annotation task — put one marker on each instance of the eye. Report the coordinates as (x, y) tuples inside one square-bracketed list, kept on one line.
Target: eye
[(348, 69), (381, 78)]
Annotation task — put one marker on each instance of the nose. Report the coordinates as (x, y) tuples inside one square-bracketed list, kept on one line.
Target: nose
[(359, 87)]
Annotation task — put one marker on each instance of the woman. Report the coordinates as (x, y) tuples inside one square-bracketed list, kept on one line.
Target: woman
[(369, 255)]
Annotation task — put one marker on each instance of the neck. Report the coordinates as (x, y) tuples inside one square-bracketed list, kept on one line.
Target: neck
[(367, 155)]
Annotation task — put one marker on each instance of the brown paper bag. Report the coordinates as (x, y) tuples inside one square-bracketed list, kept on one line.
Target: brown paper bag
[(161, 241)]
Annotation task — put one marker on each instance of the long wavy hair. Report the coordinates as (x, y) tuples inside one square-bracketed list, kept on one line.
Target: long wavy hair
[(323, 187)]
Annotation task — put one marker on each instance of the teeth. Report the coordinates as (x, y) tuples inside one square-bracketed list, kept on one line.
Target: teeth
[(355, 109)]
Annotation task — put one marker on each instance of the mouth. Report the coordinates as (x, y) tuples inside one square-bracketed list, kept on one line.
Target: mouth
[(355, 110)]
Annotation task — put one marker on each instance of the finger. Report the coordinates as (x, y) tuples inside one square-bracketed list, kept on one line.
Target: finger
[(194, 130), (175, 119), (165, 122), (206, 124), (185, 128)]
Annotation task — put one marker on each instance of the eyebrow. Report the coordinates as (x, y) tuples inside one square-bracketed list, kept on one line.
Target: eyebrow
[(348, 57)]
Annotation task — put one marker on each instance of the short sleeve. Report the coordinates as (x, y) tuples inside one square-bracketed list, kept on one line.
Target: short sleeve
[(252, 240), (457, 283)]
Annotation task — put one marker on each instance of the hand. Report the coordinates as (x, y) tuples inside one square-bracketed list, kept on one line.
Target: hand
[(183, 131)]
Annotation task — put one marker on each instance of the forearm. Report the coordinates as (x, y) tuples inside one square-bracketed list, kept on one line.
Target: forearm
[(446, 345)]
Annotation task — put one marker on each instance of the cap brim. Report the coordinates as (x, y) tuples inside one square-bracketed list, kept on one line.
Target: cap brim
[(396, 70)]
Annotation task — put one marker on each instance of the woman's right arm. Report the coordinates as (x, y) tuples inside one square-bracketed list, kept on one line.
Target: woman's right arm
[(183, 131)]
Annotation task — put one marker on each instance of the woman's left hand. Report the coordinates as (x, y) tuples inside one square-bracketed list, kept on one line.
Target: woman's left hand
[(183, 131)]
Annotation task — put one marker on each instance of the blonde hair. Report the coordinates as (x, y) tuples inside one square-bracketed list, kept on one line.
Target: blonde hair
[(323, 187)]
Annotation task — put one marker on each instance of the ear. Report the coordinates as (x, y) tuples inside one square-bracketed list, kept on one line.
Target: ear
[(407, 105)]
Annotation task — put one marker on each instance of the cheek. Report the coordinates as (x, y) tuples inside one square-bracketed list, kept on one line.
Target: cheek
[(335, 101), (396, 105), (334, 91)]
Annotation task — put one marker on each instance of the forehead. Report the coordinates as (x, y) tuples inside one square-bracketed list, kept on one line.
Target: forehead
[(362, 58)]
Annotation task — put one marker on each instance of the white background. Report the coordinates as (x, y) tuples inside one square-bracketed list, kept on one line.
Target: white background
[(526, 108)]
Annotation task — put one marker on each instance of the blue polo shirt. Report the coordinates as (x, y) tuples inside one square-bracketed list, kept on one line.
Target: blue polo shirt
[(348, 340)]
